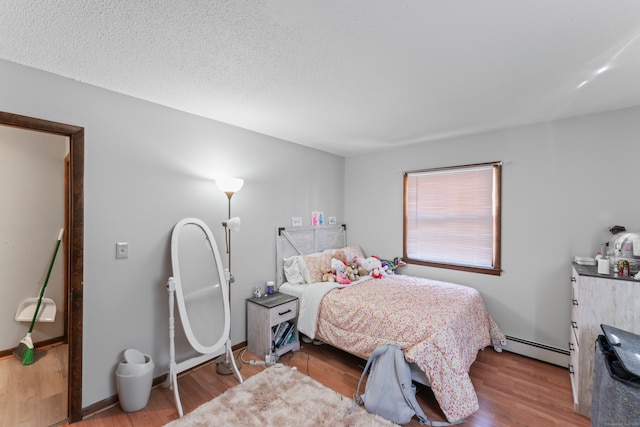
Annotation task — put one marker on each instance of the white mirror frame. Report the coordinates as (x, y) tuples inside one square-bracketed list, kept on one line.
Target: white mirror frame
[(175, 290), (184, 315)]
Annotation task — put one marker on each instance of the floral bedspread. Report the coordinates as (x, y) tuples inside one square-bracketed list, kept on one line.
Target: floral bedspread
[(440, 327)]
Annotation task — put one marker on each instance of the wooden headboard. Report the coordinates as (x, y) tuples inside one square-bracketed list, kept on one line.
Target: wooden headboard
[(291, 241)]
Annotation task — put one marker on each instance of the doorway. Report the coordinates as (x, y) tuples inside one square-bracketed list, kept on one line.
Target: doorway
[(74, 241)]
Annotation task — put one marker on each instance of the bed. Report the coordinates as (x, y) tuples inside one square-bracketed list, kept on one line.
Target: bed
[(439, 326)]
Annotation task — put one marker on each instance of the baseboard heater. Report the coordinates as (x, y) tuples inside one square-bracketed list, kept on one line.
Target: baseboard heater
[(546, 353)]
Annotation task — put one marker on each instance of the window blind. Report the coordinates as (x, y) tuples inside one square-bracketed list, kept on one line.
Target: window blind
[(450, 216)]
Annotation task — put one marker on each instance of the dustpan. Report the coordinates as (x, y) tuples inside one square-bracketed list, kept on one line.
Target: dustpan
[(47, 312)]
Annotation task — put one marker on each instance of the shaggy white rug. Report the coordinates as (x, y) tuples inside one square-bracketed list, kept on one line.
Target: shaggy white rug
[(279, 397)]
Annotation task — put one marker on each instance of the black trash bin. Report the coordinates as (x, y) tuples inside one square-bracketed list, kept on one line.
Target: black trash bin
[(616, 379)]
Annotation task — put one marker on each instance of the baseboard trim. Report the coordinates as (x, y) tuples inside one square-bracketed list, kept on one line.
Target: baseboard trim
[(40, 345), (534, 350)]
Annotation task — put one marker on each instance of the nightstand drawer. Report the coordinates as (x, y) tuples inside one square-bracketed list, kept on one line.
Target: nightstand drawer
[(283, 312)]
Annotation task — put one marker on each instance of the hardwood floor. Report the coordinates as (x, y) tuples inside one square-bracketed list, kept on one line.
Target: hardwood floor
[(34, 395), (513, 390)]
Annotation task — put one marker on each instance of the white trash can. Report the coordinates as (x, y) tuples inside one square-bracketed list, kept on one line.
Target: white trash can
[(134, 381)]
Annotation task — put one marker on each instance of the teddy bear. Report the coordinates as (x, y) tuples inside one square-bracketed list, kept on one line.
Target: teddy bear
[(351, 271), (339, 261), (341, 270), (357, 263), (328, 275)]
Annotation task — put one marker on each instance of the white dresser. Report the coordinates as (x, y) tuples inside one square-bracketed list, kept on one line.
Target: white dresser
[(597, 299)]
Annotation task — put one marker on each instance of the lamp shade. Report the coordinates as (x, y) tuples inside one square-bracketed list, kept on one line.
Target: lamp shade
[(229, 185), (233, 224)]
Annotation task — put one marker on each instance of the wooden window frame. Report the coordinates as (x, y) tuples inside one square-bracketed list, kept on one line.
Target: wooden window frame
[(495, 269)]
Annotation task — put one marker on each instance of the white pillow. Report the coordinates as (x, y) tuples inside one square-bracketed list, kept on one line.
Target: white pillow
[(302, 269), (294, 270)]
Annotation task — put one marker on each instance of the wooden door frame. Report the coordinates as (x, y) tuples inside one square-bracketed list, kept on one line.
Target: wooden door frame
[(75, 239)]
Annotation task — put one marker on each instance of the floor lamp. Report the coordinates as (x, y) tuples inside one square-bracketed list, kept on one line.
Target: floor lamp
[(229, 186)]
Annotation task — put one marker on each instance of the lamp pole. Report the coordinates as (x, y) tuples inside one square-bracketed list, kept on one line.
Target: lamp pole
[(229, 186), (228, 237)]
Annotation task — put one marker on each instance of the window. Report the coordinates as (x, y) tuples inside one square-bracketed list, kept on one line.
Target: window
[(452, 217)]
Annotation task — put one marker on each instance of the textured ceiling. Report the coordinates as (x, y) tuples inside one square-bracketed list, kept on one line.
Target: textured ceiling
[(343, 76)]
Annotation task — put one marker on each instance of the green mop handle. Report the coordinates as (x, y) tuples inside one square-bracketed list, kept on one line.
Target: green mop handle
[(46, 280)]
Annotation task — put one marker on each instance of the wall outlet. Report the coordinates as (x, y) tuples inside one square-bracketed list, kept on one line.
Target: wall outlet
[(122, 250), (296, 221)]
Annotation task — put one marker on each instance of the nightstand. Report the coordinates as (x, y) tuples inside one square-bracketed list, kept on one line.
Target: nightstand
[(272, 319)]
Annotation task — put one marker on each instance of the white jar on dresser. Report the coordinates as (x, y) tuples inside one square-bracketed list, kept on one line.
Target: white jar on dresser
[(597, 299)]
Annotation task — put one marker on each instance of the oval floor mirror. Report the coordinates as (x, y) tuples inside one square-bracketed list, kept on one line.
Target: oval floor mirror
[(199, 287)]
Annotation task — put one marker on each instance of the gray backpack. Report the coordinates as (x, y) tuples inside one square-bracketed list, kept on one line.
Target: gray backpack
[(389, 392)]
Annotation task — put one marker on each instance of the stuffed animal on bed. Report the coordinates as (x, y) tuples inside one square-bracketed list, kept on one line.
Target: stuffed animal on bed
[(357, 262), (351, 271), (377, 273), (339, 261), (339, 270), (342, 279), (337, 265), (373, 266), (391, 266), (328, 275)]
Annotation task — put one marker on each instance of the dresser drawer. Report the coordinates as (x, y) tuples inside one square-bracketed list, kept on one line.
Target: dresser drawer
[(574, 300), (283, 312), (574, 363)]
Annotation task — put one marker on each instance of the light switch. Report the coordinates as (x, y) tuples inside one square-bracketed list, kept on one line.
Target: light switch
[(122, 250)]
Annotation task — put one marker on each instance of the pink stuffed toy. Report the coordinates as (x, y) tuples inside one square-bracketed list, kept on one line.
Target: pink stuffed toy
[(342, 279)]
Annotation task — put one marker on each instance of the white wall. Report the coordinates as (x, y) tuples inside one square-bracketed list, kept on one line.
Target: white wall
[(564, 184), (146, 167), (31, 216)]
